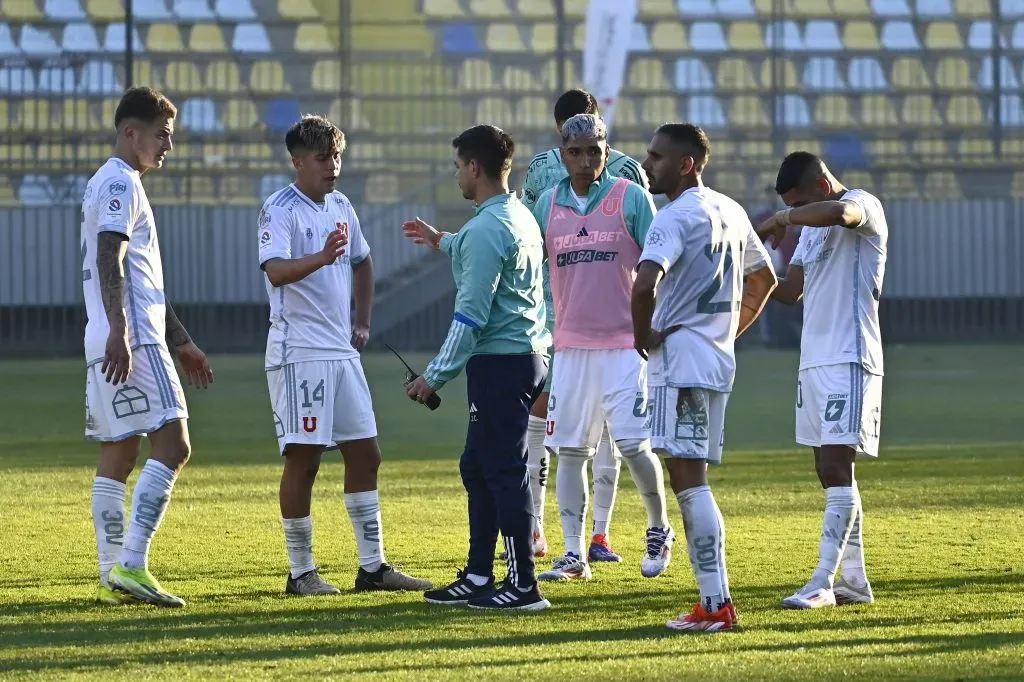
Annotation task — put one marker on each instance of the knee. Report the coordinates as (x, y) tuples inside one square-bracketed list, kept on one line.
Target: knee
[(833, 475), (634, 447), (121, 468), (581, 454), (178, 454)]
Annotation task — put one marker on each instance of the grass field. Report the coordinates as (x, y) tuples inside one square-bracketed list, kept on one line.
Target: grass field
[(944, 540)]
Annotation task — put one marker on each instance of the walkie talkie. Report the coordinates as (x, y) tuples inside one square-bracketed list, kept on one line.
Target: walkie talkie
[(434, 401)]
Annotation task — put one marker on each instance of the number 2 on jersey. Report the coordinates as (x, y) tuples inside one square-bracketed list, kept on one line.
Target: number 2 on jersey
[(704, 303)]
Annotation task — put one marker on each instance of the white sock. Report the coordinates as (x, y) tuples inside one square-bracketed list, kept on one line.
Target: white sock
[(607, 465), (705, 541), (478, 580), (852, 563), (364, 511), (571, 490), (298, 537), (840, 511), (108, 518), (645, 468), (149, 504), (537, 462)]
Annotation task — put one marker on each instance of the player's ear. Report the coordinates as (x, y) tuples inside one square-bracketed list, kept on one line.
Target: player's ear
[(688, 165), (297, 162)]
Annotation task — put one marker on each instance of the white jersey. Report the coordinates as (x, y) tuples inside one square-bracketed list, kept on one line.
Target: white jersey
[(843, 271), (115, 201), (310, 319), (706, 245)]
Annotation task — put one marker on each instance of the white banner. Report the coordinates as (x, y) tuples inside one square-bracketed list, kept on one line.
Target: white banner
[(609, 28)]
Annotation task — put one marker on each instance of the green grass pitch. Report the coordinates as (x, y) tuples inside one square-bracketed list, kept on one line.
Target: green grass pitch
[(944, 535)]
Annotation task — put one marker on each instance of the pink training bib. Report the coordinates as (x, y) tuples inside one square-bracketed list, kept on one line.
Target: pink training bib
[(592, 261)]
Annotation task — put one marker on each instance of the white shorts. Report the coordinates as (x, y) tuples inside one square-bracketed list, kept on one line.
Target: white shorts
[(688, 422), (839, 405), (591, 388), (321, 402), (150, 398)]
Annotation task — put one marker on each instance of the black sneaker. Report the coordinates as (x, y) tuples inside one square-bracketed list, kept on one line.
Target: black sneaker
[(508, 597), (389, 579), (459, 592)]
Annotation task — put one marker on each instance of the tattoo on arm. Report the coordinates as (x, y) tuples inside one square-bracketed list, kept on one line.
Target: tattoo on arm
[(110, 250), (177, 335)]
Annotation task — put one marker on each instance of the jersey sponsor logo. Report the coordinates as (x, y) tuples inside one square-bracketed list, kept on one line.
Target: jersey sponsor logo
[(529, 195), (113, 526), (584, 256), (655, 238), (129, 401), (114, 205), (309, 424), (264, 217), (265, 238), (585, 238), (117, 188)]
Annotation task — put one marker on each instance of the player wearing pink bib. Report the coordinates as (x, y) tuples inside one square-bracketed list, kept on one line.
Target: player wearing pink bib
[(594, 226)]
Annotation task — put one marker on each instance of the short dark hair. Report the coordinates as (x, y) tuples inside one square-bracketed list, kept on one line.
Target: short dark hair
[(489, 146), (315, 133), (794, 169), (144, 104), (572, 102), (691, 136)]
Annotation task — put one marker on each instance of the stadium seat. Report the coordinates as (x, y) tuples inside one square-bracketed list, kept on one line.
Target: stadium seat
[(979, 36), (489, 9), (532, 113), (845, 150), (784, 35), (161, 189), (7, 196), (833, 111), (899, 35), (807, 144), (502, 37), (647, 75), (1011, 8), (808, 8), (198, 189), (382, 188), (7, 45), (250, 37), (1017, 185), (735, 75), (544, 38), (535, 9), (241, 114), (63, 10), (639, 41), (625, 115), (267, 77), (943, 35), (747, 111), (659, 109), (164, 38), (860, 35), (942, 185), (576, 9), (852, 8), (105, 10), (195, 9), (890, 8), (735, 8), (38, 42), (549, 73), (235, 10), (297, 10), (313, 37), (36, 190), (236, 190), (99, 78), (779, 73), (858, 180), (669, 36), (200, 115), (745, 35), (152, 10), (975, 151), (517, 79), (658, 9), (57, 80), (222, 77), (1017, 38), (821, 36), (579, 37), (964, 110), (459, 37), (326, 76), (495, 110), (443, 9), (730, 183), (279, 114), (931, 149), (73, 116), (206, 38), (791, 111), (889, 152), (33, 115), (908, 73), (348, 114), (79, 37), (865, 73), (476, 75), (934, 8), (696, 8), (878, 111), (706, 111), (692, 75), (20, 10), (822, 73), (706, 36), (954, 73), (919, 110), (1007, 75), (181, 77), (17, 80), (970, 8), (114, 39)]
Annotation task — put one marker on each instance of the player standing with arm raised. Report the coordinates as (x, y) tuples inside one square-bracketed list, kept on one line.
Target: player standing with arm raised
[(837, 269), (546, 171), (703, 279), (594, 227), (312, 251), (132, 388), (498, 335)]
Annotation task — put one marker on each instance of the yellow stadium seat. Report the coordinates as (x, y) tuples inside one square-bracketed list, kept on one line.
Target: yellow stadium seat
[(647, 75), (860, 35), (476, 75), (532, 113), (734, 74), (549, 74), (18, 155), (745, 35), (942, 185), (6, 118), (34, 116), (536, 9), (313, 38), (730, 183), (765, 7), (236, 190), (348, 114), (659, 109), (260, 155), (489, 9), (833, 111), (494, 110), (855, 179), (919, 110), (161, 189), (975, 151), (7, 195), (182, 77), (782, 71), (931, 149), (544, 39), (91, 152), (954, 73), (812, 145), (219, 154), (297, 10), (414, 37), (579, 37), (943, 35), (223, 77), (669, 36), (107, 10), (576, 8), (326, 76), (198, 189), (164, 38), (267, 77), (908, 73), (658, 9), (899, 185), (54, 154), (971, 8), (808, 8), (144, 73), (502, 37), (20, 10), (964, 110), (241, 114), (852, 8), (519, 79), (1017, 186), (625, 114), (382, 188), (206, 38), (747, 111), (443, 9), (877, 110), (889, 152), (757, 149), (108, 108)]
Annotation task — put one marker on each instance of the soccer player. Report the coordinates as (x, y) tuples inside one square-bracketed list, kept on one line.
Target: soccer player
[(312, 251), (132, 388), (547, 170), (498, 335), (704, 276), (837, 269), (594, 227)]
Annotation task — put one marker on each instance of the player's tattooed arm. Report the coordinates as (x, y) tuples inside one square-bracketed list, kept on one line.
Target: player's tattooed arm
[(757, 287), (177, 335), (111, 248)]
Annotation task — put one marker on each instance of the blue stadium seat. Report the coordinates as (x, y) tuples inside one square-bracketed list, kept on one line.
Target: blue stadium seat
[(706, 111), (7, 46), (791, 111), (35, 190), (783, 34), (822, 73), (113, 39), (193, 9), (979, 36), (63, 10), (865, 73), (57, 80), (281, 113), (890, 8), (1007, 75), (272, 183), (100, 78), (821, 35), (79, 37), (900, 35), (736, 8), (36, 41), (1011, 110), (1017, 39), (251, 37), (17, 80), (692, 75), (1011, 8), (696, 8), (846, 151), (152, 10), (458, 37), (639, 41), (707, 36), (200, 115), (237, 10), (934, 9)]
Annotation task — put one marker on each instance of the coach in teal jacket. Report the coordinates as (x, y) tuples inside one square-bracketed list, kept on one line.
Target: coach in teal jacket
[(498, 334)]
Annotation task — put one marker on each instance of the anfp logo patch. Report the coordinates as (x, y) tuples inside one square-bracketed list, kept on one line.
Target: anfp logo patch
[(834, 410)]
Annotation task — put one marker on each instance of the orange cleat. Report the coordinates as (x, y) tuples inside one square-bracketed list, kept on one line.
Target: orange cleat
[(699, 620)]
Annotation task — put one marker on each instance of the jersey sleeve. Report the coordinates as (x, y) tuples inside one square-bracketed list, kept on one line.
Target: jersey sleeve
[(755, 256), (541, 210), (275, 233), (797, 258), (532, 187), (640, 211), (118, 203), (358, 248), (665, 242), (872, 222), (632, 171)]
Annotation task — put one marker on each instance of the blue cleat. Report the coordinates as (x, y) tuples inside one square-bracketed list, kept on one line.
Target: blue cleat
[(600, 550)]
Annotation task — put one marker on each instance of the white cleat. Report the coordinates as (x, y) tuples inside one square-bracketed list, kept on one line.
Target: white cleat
[(659, 552), (566, 568), (809, 597), (851, 592)]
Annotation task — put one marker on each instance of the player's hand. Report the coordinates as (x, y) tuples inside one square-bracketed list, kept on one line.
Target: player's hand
[(334, 247), (650, 343), (419, 390), (774, 229), (360, 336), (421, 233), (117, 358), (196, 366)]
